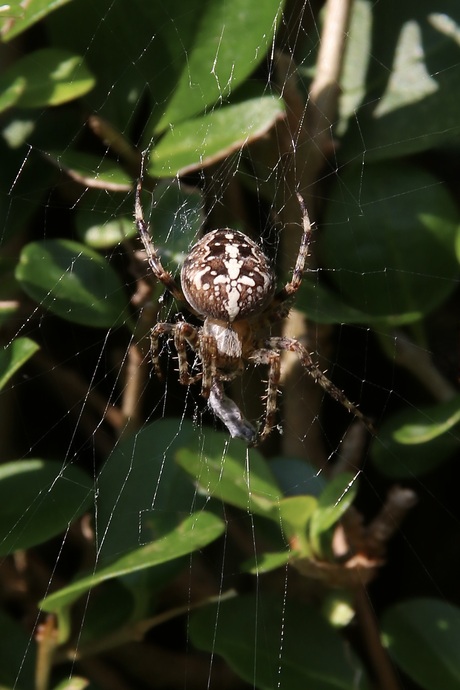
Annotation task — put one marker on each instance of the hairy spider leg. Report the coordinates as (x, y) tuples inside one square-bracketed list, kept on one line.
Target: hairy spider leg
[(273, 359), (152, 257), (291, 288), (209, 354), (182, 333), (292, 345)]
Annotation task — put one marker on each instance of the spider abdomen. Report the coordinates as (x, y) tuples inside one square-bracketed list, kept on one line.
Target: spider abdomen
[(226, 276)]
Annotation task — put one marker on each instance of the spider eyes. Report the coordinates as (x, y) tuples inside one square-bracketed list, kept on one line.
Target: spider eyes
[(226, 276)]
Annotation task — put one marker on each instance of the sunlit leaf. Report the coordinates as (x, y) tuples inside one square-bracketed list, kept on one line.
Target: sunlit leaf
[(211, 57), (14, 356), (266, 562), (92, 171), (195, 532), (50, 77), (333, 502), (388, 240), (405, 78), (204, 140), (19, 16), (11, 94), (221, 469)]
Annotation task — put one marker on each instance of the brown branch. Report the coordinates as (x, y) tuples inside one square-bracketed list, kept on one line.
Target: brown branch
[(306, 142)]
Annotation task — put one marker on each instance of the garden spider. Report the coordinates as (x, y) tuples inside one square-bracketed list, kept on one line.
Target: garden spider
[(229, 284)]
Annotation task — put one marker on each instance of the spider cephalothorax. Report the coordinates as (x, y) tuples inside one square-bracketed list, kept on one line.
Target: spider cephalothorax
[(228, 283)]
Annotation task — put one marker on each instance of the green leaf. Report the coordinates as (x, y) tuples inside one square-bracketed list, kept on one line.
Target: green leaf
[(194, 533), (202, 141), (11, 94), (415, 441), (51, 77), (14, 356), (297, 477), (20, 16), (140, 480), (74, 683), (17, 656), (295, 513), (91, 170), (73, 282), (438, 420), (211, 59), (389, 241), (333, 502), (38, 499), (423, 637), (324, 306), (102, 231), (220, 468), (406, 77), (266, 562), (246, 632)]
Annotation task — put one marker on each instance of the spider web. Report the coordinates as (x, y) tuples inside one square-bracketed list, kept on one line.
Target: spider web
[(141, 546)]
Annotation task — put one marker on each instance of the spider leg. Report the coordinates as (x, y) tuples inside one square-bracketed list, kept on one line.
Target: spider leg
[(208, 352), (292, 345), (152, 257), (183, 333), (155, 334), (291, 288), (273, 359)]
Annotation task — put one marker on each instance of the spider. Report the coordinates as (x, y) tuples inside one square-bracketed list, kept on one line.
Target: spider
[(229, 284)]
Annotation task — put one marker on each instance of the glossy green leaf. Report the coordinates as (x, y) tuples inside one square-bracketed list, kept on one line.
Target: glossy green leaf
[(38, 499), (51, 77), (92, 171), (176, 60), (423, 637), (11, 94), (295, 513), (19, 16), (194, 533), (246, 632), (100, 231), (221, 469), (324, 306), (74, 683), (73, 282), (406, 77), (266, 562), (140, 480), (211, 56), (17, 655), (333, 502), (417, 440), (438, 420), (389, 241), (204, 140), (14, 356)]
